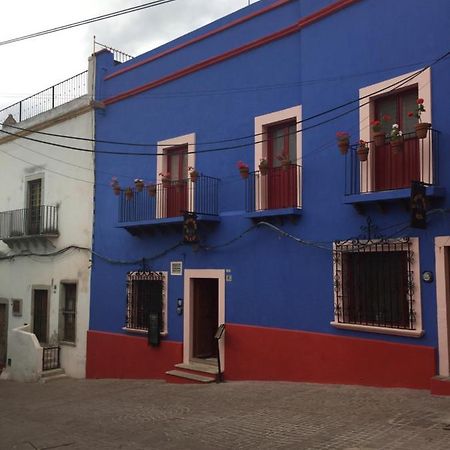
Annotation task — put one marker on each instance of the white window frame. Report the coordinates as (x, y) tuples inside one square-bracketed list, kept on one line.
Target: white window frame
[(262, 123), (368, 95), (165, 329), (415, 269)]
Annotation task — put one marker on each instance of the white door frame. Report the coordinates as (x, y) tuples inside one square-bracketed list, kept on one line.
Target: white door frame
[(189, 276), (442, 243)]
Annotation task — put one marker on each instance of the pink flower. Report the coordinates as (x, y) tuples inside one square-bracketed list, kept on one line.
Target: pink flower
[(410, 114), (419, 101)]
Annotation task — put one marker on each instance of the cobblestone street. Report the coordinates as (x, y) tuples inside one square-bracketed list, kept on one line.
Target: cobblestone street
[(116, 414)]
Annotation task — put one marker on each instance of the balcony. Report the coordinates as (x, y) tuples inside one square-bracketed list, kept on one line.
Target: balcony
[(28, 224), (274, 192), (165, 203), (386, 176)]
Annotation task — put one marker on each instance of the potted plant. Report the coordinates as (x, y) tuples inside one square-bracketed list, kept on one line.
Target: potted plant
[(139, 184), (243, 169), (396, 138), (263, 166), (362, 151), (421, 127), (115, 185), (193, 174), (378, 135), (151, 189), (165, 178), (129, 193), (343, 139)]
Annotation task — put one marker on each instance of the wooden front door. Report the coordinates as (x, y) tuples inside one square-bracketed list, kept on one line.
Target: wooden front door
[(282, 178), (40, 314), (177, 189), (205, 317), (397, 170), (3, 333)]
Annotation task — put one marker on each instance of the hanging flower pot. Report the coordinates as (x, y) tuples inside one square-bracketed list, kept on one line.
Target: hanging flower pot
[(165, 178), (115, 186), (263, 166), (243, 169), (139, 184), (128, 193), (151, 190), (363, 151), (397, 145), (379, 138), (343, 141), (194, 175), (422, 129)]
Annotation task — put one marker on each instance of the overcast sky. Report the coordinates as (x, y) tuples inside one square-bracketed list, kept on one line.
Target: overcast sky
[(35, 64)]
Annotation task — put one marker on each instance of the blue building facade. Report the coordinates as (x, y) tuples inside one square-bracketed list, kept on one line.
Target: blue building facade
[(237, 203)]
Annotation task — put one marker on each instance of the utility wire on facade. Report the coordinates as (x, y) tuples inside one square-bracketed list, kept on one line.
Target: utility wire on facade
[(391, 88), (88, 21)]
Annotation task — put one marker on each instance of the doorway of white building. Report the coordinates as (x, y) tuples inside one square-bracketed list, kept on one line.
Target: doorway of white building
[(3, 334), (40, 315)]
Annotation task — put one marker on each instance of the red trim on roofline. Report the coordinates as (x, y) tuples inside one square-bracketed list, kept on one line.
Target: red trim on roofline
[(200, 38), (302, 23)]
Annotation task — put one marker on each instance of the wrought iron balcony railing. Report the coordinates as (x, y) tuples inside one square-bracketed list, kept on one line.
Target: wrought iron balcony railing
[(387, 168), (170, 199), (274, 188), (29, 222), (48, 99)]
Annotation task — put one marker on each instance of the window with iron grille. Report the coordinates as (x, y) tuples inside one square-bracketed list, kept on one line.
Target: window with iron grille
[(374, 283), (69, 312), (146, 295)]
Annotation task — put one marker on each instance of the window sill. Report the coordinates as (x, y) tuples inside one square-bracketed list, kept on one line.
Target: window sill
[(68, 343), (379, 330), (141, 332), (274, 213)]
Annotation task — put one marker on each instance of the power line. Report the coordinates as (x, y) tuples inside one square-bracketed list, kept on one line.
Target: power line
[(87, 21), (392, 87)]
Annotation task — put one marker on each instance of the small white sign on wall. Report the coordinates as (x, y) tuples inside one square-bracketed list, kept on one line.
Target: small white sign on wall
[(176, 268)]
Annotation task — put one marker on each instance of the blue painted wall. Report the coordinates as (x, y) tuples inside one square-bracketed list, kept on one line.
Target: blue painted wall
[(276, 282)]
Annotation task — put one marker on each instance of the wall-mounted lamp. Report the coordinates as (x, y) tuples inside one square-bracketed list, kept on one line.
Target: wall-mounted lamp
[(427, 276)]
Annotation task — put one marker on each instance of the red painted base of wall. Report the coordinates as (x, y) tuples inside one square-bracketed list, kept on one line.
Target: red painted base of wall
[(256, 353), (440, 386), (111, 355)]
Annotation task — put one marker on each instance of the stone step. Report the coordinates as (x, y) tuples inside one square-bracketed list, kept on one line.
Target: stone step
[(52, 375), (191, 376), (198, 367)]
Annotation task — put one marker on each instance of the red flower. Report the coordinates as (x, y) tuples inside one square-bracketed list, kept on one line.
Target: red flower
[(419, 101), (375, 123), (410, 114)]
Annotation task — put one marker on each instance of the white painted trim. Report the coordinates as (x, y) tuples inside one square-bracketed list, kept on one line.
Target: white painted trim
[(261, 124), (417, 298), (379, 330), (161, 162), (442, 302), (189, 275), (366, 114)]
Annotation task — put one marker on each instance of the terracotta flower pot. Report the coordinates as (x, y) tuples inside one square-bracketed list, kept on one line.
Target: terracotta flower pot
[(397, 145), (139, 185), (194, 176), (263, 169), (116, 190), (362, 152), (378, 138), (343, 145), (422, 129), (129, 193), (151, 190), (244, 172)]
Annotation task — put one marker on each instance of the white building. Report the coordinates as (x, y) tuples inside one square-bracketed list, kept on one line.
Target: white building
[(46, 208)]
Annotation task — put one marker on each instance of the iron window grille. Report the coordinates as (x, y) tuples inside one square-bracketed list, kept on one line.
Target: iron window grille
[(373, 282), (146, 294)]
